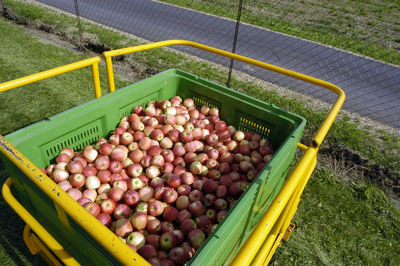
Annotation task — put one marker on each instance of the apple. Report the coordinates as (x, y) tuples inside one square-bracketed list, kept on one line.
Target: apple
[(202, 221), (155, 208), (68, 151), (116, 194), (157, 181), (187, 178), (105, 219), (60, 175), (93, 208), (141, 207), (220, 204), (134, 170), (196, 238), (167, 227), (137, 239), (121, 211), (209, 199), (183, 190), (168, 240), (139, 220), (154, 240), (122, 184), (76, 194), (136, 156), (146, 193), (75, 167), (90, 154), (195, 195), (135, 183), (177, 255), (65, 185), (182, 202), (148, 252), (92, 182), (170, 213), (159, 192), (107, 206), (170, 195), (77, 180), (196, 208), (187, 225), (174, 181), (131, 197), (196, 168), (222, 192), (115, 167), (210, 186), (211, 215), (90, 194), (154, 226)]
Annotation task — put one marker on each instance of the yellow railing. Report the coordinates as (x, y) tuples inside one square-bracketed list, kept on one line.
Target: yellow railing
[(94, 62), (266, 236)]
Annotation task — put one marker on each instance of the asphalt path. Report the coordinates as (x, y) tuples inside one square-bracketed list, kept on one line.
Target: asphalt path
[(372, 88)]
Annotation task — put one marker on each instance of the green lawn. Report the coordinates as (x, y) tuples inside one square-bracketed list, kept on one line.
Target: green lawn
[(341, 219)]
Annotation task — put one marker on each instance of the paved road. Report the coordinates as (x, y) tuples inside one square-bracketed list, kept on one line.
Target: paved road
[(372, 88)]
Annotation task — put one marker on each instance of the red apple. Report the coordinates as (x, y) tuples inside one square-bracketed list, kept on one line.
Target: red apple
[(121, 211), (93, 208), (196, 208), (107, 206), (170, 213), (139, 220), (123, 227), (168, 240), (196, 238), (155, 208), (131, 197), (170, 195)]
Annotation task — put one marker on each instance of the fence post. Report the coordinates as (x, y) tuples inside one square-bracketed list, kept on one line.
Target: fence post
[(78, 18), (228, 83)]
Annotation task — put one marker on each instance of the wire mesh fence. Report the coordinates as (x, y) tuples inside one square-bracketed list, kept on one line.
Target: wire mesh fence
[(297, 35)]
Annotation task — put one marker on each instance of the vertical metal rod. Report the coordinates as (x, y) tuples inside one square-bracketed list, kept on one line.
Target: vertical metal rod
[(228, 83), (78, 17)]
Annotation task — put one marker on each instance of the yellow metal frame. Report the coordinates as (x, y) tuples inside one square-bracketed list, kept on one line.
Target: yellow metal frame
[(266, 236)]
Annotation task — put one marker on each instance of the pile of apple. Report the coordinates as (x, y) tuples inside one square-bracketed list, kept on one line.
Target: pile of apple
[(165, 177)]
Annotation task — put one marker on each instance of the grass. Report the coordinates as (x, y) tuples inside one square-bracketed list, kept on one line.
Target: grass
[(345, 225), (364, 27), (337, 222)]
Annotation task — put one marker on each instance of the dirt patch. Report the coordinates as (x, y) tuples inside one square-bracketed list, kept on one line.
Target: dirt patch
[(363, 168)]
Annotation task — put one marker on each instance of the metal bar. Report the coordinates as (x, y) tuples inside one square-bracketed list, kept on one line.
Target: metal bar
[(55, 72), (78, 18), (228, 83), (32, 241), (35, 225), (268, 248)]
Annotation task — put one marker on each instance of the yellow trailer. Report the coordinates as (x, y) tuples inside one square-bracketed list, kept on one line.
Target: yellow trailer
[(261, 243)]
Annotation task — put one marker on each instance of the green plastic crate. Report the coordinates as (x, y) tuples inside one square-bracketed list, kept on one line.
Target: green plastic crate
[(84, 124)]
